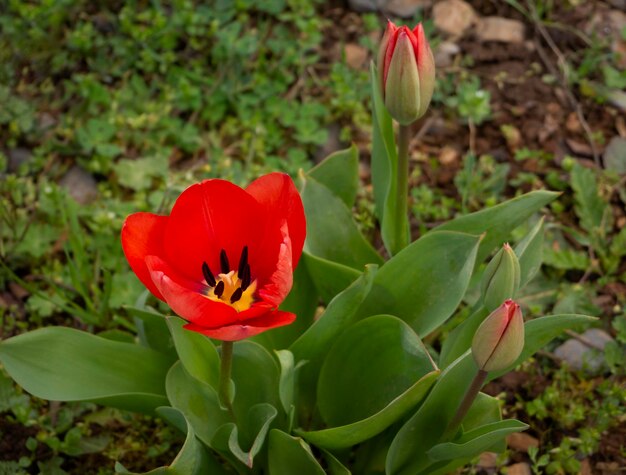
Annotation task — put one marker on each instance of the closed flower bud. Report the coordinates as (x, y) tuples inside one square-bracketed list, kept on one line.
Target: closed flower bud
[(501, 278), (406, 72), (499, 340)]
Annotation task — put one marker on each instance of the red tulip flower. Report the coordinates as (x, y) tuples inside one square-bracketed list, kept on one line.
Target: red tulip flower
[(224, 258)]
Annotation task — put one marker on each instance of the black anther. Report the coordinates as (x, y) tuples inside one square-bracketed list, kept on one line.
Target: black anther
[(243, 261), (236, 295), (245, 278), (224, 262), (219, 289), (208, 275)]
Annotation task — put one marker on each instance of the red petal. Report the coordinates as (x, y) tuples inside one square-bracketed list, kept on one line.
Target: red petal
[(206, 218), (278, 195), (280, 282), (184, 297), (142, 235), (391, 46), (422, 46), (250, 328)]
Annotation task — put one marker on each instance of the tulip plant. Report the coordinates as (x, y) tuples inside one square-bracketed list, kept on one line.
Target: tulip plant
[(293, 345)]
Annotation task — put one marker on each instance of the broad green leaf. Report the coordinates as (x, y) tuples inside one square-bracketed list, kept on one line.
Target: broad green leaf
[(288, 455), (302, 301), (329, 277), (256, 425), (348, 435), (286, 385), (344, 394), (192, 459), (197, 401), (315, 343), (63, 364), (256, 376), (152, 330), (498, 221), (335, 467), (472, 443), (425, 282), (339, 172), (196, 352), (529, 252), (460, 339), (332, 233)]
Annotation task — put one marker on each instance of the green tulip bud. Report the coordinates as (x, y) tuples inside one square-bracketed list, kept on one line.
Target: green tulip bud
[(501, 278), (499, 340), (406, 72)]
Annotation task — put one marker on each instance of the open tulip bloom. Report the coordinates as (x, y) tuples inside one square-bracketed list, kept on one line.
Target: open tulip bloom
[(224, 258), (351, 383)]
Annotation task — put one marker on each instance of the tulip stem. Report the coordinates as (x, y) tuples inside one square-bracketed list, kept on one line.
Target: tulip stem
[(470, 395), (402, 223), (225, 392)]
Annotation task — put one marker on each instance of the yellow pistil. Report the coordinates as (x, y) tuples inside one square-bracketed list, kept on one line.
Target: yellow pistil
[(232, 282)]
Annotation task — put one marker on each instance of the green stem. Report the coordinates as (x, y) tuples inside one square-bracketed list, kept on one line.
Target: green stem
[(226, 364), (402, 181), (470, 395)]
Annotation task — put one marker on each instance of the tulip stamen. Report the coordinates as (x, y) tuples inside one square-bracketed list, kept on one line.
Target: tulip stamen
[(208, 275), (224, 264), (245, 277), (236, 295), (219, 289), (243, 261)]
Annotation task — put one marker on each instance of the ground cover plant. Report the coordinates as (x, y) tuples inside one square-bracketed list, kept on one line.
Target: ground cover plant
[(91, 117)]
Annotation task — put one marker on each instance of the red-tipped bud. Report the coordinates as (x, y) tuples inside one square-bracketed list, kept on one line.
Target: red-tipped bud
[(406, 72), (499, 340)]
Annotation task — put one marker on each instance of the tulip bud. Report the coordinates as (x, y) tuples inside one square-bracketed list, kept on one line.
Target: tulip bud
[(501, 278), (406, 72), (499, 340)]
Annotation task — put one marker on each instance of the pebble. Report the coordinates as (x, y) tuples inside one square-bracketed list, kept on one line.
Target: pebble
[(355, 55), (521, 441), (17, 157), (80, 184), (519, 469), (615, 155), (405, 8), (580, 356), (453, 17), (504, 30), (445, 52)]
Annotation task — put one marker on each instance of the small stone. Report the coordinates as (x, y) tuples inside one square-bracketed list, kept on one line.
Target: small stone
[(487, 460), (519, 469), (453, 17), (18, 157), (504, 30), (580, 356), (355, 55), (445, 52), (405, 8), (449, 156), (363, 5), (572, 124), (585, 467), (80, 184), (615, 155), (521, 441)]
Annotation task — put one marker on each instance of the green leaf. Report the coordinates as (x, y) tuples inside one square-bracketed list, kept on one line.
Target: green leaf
[(314, 344), (196, 352), (332, 233), (384, 172), (197, 401), (498, 221), (256, 426), (63, 364), (593, 211), (152, 330), (339, 172), (329, 277), (348, 435), (288, 455), (529, 252), (192, 459), (615, 155), (286, 385), (425, 282), (476, 441), (349, 372)]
